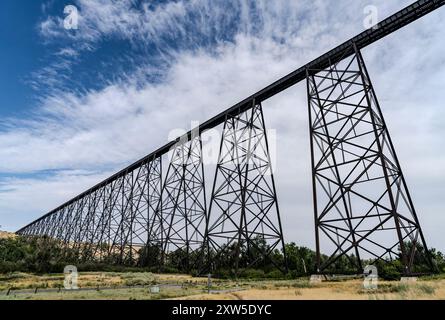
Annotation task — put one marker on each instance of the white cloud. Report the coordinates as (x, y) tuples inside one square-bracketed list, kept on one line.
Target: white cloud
[(70, 52), (32, 196), (114, 126)]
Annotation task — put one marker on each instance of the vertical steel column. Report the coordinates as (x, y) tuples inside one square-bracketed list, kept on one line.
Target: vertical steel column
[(182, 208), (154, 220), (362, 205), (244, 220)]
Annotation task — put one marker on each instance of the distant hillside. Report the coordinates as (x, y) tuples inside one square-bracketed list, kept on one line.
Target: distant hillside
[(5, 234)]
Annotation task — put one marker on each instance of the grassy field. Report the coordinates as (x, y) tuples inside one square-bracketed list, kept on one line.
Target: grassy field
[(94, 279), (124, 286), (102, 285), (103, 294), (344, 290)]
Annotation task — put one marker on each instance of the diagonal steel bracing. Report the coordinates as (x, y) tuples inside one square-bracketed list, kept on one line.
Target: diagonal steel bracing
[(362, 204), (182, 210), (243, 214), (112, 223)]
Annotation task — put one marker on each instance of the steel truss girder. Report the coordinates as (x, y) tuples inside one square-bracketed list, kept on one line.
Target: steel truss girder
[(244, 206), (362, 204)]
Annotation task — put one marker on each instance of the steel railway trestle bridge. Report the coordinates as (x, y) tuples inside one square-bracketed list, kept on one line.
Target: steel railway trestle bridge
[(362, 206)]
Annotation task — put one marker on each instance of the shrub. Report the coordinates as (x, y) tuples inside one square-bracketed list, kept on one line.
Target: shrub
[(275, 274), (136, 282), (252, 274), (389, 271), (222, 274), (9, 266)]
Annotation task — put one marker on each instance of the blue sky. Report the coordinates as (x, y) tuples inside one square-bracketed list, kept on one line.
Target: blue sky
[(78, 105), (15, 61), (27, 55)]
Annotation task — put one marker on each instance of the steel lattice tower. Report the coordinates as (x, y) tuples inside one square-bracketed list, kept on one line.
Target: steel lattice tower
[(361, 201), (183, 207), (243, 213)]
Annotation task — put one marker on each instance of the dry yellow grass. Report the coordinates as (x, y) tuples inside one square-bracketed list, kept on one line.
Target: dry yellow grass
[(192, 288), (20, 280), (345, 290), (5, 235)]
